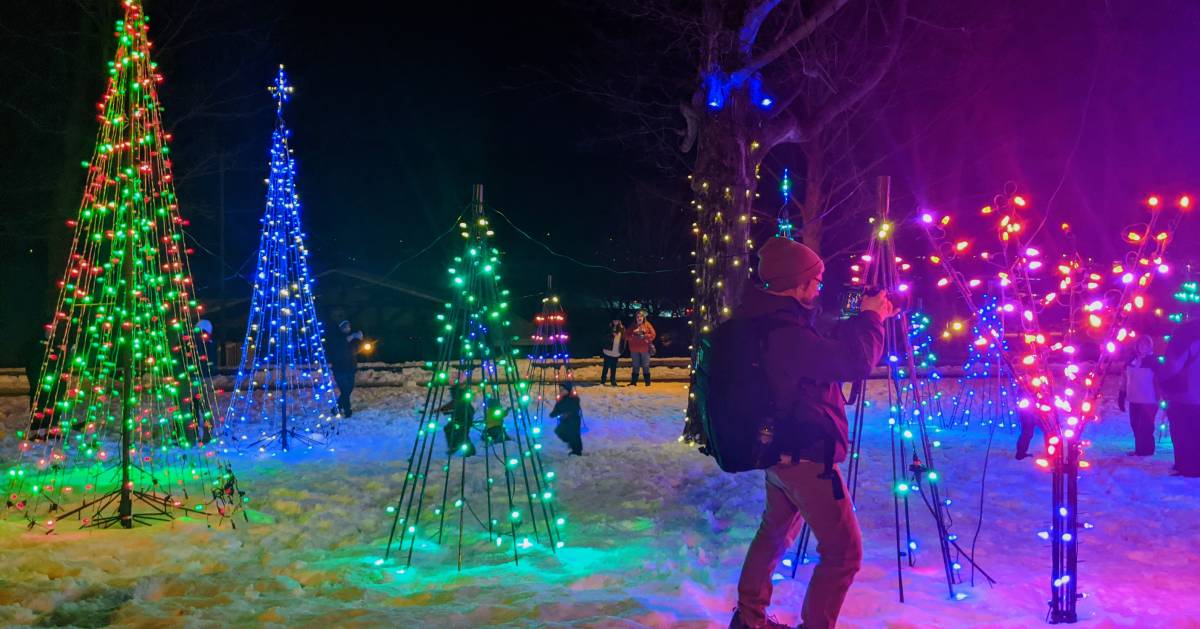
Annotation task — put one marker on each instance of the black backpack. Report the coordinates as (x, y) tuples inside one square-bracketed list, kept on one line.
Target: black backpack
[(741, 427), (737, 417)]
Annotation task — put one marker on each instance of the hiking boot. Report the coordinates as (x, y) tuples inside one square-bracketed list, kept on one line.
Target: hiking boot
[(770, 623)]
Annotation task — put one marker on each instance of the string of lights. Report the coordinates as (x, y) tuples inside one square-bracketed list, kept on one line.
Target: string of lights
[(283, 392), (476, 366), (586, 265), (1057, 388), (453, 227), (122, 430), (549, 360)]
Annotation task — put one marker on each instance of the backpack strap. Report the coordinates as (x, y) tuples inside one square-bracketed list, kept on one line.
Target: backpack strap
[(830, 473)]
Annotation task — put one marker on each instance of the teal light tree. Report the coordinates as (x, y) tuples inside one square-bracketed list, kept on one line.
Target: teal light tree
[(784, 226), (502, 492), (122, 430), (284, 393)]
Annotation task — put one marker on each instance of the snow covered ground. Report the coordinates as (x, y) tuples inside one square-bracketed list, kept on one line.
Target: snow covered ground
[(656, 538)]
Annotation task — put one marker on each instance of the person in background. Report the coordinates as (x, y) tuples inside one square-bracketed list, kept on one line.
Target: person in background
[(640, 337), (343, 361), (570, 418), (32, 355), (612, 352), (493, 421), (1179, 382), (199, 429), (1029, 423), (208, 352), (1140, 393), (461, 409)]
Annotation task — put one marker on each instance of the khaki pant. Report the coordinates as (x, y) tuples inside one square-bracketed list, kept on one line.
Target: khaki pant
[(794, 496)]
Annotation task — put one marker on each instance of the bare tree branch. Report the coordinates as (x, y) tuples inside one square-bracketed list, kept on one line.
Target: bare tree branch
[(783, 45), (753, 22), (843, 100)]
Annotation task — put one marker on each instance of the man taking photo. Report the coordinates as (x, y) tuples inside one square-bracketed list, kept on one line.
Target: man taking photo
[(804, 370)]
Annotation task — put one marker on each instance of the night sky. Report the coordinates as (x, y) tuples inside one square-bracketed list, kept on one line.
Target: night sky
[(399, 109)]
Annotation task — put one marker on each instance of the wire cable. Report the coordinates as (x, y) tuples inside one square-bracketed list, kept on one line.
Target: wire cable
[(418, 254), (580, 262)]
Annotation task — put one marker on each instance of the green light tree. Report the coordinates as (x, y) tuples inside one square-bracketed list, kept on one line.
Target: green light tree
[(476, 395), (122, 426)]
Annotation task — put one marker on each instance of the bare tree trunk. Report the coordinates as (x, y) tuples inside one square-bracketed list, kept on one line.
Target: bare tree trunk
[(814, 195), (724, 184), (734, 123)]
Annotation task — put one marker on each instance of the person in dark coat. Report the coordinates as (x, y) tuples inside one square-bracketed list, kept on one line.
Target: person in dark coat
[(1029, 423), (461, 409), (805, 369), (1179, 382), (570, 418), (612, 352), (342, 352), (493, 422), (33, 353)]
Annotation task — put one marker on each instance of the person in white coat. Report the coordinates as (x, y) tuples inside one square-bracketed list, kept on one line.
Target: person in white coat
[(612, 352), (1140, 395)]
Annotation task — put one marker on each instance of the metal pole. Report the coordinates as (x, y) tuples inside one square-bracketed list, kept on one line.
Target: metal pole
[(219, 333), (125, 507), (283, 398)]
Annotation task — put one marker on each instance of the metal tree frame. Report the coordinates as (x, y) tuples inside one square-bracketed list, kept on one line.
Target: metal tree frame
[(909, 403), (283, 393), (549, 360), (122, 430), (476, 357), (986, 393)]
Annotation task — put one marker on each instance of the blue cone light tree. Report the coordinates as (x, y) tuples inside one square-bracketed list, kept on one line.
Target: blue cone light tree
[(987, 392), (476, 481), (283, 396)]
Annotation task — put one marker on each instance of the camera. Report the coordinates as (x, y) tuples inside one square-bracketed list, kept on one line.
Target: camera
[(853, 297)]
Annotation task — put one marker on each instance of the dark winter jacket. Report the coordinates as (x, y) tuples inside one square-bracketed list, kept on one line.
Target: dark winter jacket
[(805, 368), (342, 353), (566, 407), (1179, 375), (611, 345), (33, 352)]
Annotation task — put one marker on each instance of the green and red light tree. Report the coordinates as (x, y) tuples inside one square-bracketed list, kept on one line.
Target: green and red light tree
[(122, 429)]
